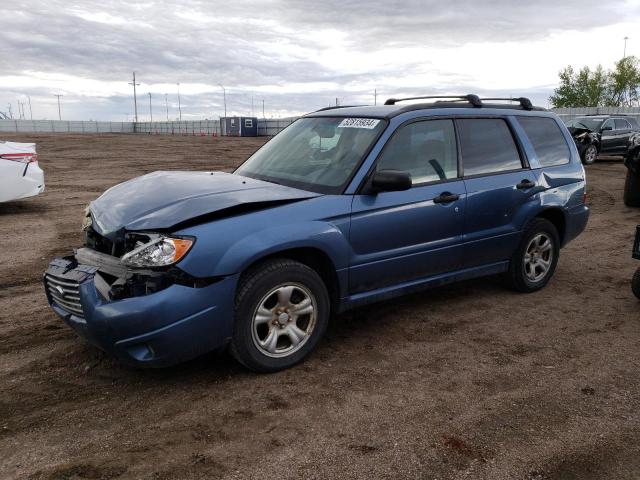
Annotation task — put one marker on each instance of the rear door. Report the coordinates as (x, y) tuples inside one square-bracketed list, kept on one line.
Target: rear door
[(402, 236), (623, 134), (498, 182)]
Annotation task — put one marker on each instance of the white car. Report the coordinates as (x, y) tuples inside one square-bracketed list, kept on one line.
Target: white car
[(20, 175)]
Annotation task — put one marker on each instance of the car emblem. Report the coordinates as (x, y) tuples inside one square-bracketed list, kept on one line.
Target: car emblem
[(59, 289)]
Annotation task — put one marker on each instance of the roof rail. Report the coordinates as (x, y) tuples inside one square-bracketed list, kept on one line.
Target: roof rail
[(472, 99), (607, 114), (337, 106), (524, 101)]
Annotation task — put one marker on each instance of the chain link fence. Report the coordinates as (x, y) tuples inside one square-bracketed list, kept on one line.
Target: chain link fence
[(567, 114), (266, 127)]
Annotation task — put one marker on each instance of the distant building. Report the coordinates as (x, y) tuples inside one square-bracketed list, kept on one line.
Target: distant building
[(239, 126)]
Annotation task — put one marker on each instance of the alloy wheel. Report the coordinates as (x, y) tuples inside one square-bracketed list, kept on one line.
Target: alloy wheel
[(284, 320), (538, 257)]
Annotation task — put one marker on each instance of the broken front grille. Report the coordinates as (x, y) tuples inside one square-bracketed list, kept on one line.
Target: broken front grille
[(101, 244), (65, 293)]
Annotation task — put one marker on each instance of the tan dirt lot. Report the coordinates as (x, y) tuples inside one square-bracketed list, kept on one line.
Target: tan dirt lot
[(467, 381)]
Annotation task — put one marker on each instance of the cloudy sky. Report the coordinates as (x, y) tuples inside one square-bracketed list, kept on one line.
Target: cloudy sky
[(297, 56)]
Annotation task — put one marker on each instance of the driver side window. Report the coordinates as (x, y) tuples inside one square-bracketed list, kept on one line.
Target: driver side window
[(426, 149)]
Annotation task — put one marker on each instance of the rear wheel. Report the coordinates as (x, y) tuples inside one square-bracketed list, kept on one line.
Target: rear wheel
[(589, 155), (635, 283), (632, 185), (534, 261), (282, 311)]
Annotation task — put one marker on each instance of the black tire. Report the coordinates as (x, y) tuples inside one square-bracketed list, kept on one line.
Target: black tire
[(632, 190), (590, 154), (517, 276), (255, 285), (635, 283)]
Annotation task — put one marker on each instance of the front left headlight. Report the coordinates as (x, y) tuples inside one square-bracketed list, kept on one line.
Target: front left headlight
[(159, 252)]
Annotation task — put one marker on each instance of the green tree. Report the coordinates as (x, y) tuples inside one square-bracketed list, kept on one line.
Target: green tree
[(586, 88), (599, 88), (624, 83)]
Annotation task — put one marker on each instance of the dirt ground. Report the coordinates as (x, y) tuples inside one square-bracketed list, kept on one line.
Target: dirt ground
[(467, 381)]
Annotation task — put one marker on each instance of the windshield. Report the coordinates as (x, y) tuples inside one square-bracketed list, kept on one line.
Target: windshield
[(316, 154), (592, 124)]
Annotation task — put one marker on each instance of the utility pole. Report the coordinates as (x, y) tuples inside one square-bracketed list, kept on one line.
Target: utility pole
[(252, 114), (224, 93), (135, 98), (375, 96), (30, 111), (166, 104), (59, 114), (179, 106), (10, 112), (624, 55), (150, 110), (263, 108)]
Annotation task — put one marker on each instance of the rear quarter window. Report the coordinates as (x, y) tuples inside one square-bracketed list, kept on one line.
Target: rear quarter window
[(547, 140)]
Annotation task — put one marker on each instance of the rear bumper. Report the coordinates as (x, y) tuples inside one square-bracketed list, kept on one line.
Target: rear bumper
[(26, 183), (155, 330), (576, 221)]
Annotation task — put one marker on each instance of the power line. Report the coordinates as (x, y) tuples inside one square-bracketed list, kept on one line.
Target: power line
[(179, 106), (224, 93), (135, 98), (59, 114), (624, 55)]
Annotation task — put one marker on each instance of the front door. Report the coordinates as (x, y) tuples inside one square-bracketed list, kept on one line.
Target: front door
[(401, 236), (608, 143)]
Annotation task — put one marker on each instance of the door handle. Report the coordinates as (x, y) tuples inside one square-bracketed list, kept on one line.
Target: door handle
[(524, 184), (446, 197)]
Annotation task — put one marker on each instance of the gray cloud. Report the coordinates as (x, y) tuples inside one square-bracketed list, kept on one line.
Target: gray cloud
[(239, 43)]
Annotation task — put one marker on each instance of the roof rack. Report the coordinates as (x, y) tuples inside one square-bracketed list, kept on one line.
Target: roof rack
[(524, 101), (472, 99)]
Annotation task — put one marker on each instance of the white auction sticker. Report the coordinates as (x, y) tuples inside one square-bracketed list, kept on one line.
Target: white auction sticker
[(368, 123)]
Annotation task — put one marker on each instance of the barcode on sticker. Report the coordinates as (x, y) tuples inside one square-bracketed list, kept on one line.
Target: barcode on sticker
[(369, 123)]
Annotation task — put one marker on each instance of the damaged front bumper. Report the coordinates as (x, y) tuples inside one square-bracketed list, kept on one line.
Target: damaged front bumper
[(149, 318)]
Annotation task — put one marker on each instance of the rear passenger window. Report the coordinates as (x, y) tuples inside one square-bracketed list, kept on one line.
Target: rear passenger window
[(487, 146), (622, 124), (427, 150), (547, 140)]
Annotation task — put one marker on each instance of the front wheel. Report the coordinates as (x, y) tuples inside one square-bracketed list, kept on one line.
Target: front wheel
[(282, 311), (534, 261), (589, 155)]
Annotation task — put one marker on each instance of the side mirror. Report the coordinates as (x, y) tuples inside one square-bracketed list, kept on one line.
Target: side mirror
[(606, 128), (391, 181)]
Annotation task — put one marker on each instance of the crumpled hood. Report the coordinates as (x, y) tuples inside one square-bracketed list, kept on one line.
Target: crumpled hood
[(162, 200), (576, 131)]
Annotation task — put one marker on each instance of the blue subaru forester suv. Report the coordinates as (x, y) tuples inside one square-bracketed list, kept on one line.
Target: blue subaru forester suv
[(345, 207)]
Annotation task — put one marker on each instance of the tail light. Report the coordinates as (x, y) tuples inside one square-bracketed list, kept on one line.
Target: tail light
[(20, 157), (584, 198)]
